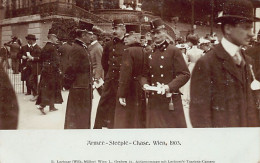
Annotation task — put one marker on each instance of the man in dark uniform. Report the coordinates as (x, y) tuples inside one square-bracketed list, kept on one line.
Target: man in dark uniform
[(220, 84), (78, 79), (8, 103), (165, 71), (49, 86), (111, 62), (64, 50), (131, 111)]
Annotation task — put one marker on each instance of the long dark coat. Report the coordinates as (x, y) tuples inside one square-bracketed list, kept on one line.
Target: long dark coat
[(220, 92), (8, 103), (254, 54), (133, 114), (165, 64), (49, 86), (64, 51), (111, 62), (78, 110)]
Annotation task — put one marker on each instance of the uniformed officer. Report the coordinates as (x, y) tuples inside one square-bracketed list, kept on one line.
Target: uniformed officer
[(165, 71), (131, 111), (111, 62), (78, 77)]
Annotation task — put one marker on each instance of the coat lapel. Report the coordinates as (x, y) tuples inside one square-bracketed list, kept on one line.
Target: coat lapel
[(228, 63)]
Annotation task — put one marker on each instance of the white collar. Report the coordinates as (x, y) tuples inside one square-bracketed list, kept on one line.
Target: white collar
[(92, 43), (31, 45), (230, 48)]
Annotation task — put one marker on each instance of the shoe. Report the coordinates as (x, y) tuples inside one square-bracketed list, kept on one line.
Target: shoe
[(27, 94), (34, 98), (41, 109), (53, 109)]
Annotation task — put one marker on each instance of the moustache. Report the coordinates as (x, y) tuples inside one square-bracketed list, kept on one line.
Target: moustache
[(114, 33)]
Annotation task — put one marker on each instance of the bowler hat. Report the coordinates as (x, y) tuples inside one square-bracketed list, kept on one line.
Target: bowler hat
[(157, 24), (30, 37), (118, 22), (84, 26), (236, 11), (132, 29)]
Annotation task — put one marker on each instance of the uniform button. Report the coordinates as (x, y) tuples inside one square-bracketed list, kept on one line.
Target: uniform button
[(152, 84), (150, 66), (152, 51), (113, 64), (152, 93), (113, 70), (120, 64), (164, 49), (161, 75), (113, 56), (150, 56), (113, 50), (162, 57), (161, 66), (152, 76)]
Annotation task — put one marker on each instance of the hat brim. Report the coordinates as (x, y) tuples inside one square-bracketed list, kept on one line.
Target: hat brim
[(84, 30), (235, 18), (30, 38), (158, 28)]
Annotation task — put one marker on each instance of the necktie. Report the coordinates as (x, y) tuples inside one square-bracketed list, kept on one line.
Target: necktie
[(238, 58)]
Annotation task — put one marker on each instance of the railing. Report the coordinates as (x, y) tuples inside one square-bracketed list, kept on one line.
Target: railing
[(55, 8)]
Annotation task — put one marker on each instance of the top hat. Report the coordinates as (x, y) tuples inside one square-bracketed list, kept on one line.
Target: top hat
[(30, 37), (14, 37), (84, 26), (236, 11), (130, 29), (117, 22), (157, 24)]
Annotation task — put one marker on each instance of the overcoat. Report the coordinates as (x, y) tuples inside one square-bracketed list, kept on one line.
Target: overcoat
[(78, 110), (8, 103), (133, 114), (220, 92), (165, 64), (64, 51), (49, 86), (111, 62)]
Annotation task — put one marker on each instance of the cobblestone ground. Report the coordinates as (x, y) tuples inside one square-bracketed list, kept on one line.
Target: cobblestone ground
[(31, 118)]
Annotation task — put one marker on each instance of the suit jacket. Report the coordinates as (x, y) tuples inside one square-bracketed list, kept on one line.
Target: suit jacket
[(220, 95), (96, 51)]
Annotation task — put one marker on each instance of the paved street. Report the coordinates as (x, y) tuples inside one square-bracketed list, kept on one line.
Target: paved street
[(31, 118)]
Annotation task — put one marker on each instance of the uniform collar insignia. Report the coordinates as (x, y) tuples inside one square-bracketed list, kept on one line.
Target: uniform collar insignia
[(162, 46)]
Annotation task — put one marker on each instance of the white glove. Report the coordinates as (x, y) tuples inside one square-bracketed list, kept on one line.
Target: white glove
[(122, 101), (162, 89)]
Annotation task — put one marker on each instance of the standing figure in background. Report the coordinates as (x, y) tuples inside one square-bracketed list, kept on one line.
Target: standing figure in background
[(221, 95), (166, 71), (96, 51), (193, 54), (49, 86), (78, 79), (8, 103), (15, 45), (111, 62), (130, 113)]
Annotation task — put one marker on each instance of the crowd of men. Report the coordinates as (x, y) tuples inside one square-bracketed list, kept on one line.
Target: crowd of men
[(146, 79)]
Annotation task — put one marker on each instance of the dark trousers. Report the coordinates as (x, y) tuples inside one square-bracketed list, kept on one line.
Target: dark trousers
[(107, 104), (15, 65), (33, 84)]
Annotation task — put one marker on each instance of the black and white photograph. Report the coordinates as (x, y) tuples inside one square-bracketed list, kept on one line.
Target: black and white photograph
[(130, 81)]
